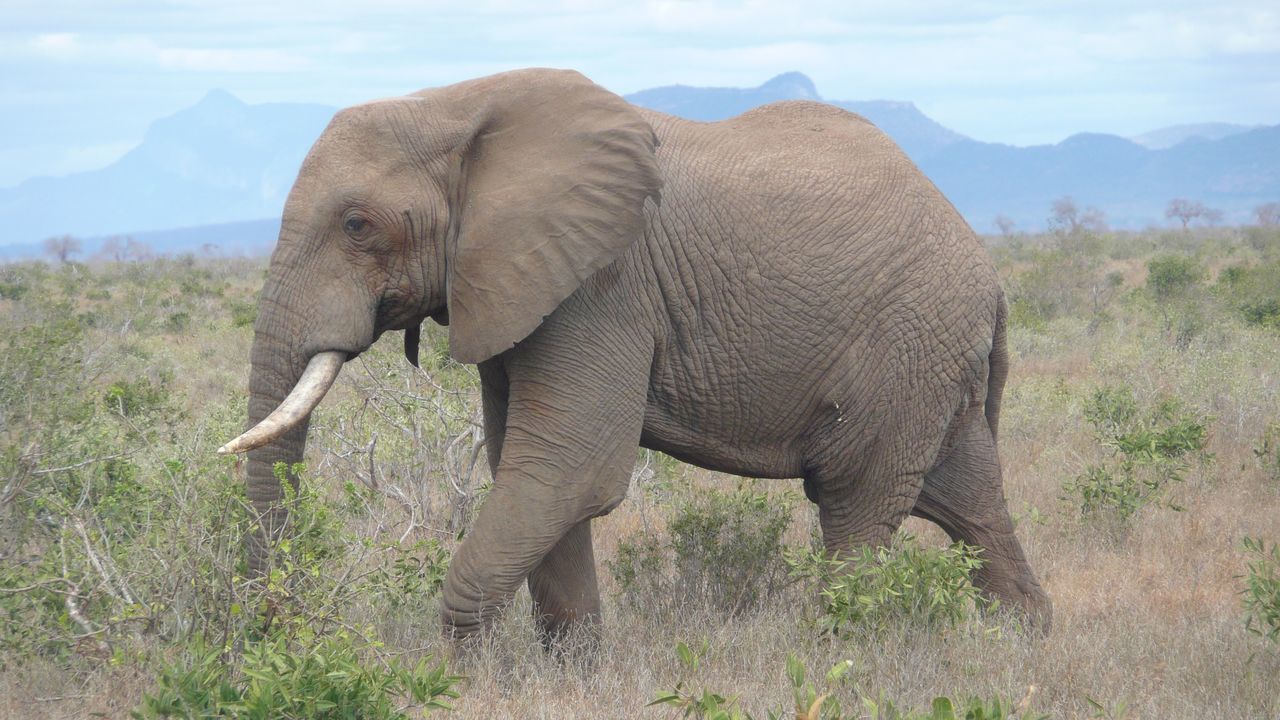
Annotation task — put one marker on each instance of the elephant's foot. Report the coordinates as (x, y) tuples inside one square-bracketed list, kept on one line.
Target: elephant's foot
[(566, 595), (570, 639), (467, 613), (1020, 595)]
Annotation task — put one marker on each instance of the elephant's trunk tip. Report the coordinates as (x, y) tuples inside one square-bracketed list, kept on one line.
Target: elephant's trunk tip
[(310, 389)]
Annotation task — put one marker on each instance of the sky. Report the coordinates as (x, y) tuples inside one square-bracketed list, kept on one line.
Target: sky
[(80, 80)]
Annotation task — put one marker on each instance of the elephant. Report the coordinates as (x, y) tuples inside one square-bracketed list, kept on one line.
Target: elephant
[(781, 295)]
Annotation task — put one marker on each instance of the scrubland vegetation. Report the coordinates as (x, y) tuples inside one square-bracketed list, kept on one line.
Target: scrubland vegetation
[(1141, 450)]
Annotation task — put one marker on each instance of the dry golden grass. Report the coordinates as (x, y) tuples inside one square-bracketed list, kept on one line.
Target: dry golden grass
[(1149, 615)]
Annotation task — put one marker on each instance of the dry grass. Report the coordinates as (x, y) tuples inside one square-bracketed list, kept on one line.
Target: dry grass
[(1149, 616)]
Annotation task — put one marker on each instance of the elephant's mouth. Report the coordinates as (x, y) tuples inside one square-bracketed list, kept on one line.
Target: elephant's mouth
[(315, 381), (307, 393)]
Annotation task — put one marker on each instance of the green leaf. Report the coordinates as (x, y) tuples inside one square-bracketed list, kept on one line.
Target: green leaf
[(795, 671), (665, 698), (687, 658), (839, 670), (942, 709)]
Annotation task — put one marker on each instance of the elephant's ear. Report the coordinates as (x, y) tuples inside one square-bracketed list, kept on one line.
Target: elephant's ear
[(553, 187)]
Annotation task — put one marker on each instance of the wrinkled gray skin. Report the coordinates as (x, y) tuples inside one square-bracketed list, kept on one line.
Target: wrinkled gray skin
[(778, 295)]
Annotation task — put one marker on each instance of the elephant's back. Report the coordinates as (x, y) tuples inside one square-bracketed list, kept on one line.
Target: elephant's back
[(798, 182), (795, 133)]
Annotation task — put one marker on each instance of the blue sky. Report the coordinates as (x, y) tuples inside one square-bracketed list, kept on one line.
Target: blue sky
[(80, 80)]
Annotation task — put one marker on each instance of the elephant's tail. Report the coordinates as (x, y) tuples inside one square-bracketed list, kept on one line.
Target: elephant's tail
[(998, 370)]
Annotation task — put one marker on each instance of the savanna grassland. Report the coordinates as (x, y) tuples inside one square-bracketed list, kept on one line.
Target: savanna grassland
[(1141, 448)]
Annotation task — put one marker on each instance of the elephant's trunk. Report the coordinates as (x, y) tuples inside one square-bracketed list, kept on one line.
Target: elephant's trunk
[(275, 372)]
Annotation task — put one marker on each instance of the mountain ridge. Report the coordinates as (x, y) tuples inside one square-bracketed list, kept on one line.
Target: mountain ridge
[(224, 161)]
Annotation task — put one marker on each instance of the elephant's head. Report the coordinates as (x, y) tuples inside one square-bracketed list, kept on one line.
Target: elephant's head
[(482, 205)]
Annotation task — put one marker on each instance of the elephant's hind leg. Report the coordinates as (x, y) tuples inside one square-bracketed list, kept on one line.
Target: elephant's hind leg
[(564, 588), (964, 494), (865, 490)]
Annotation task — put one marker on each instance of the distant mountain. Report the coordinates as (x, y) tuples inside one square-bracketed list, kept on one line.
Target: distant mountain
[(708, 104), (1228, 167), (215, 162), (1168, 137), (1131, 184), (212, 167), (910, 128)]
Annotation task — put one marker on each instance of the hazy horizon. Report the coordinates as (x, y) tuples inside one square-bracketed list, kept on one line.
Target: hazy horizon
[(83, 80)]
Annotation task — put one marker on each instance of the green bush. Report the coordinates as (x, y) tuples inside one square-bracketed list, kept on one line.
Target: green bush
[(1253, 292), (1173, 283), (12, 290), (812, 703), (905, 584), (1061, 282), (945, 708), (122, 532), (304, 680), (1268, 452), (1171, 276), (1262, 588), (243, 314), (722, 546), (1150, 449), (808, 704)]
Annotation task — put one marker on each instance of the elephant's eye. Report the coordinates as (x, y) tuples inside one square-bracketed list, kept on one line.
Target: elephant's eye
[(354, 225)]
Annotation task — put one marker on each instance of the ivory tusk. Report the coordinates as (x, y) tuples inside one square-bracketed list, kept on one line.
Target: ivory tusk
[(316, 380)]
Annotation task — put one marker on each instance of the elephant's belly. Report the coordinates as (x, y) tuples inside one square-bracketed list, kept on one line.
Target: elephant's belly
[(750, 456)]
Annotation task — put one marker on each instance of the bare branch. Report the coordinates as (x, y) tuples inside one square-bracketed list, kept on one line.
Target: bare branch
[(50, 471)]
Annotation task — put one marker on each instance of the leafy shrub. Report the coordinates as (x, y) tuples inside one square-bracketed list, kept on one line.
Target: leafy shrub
[(722, 546), (906, 583), (1061, 282), (1254, 292), (274, 678), (10, 290), (177, 322), (945, 708), (243, 314), (122, 532), (415, 573), (1171, 276), (1262, 588), (133, 397), (1150, 449), (1268, 452), (1173, 282), (810, 704)]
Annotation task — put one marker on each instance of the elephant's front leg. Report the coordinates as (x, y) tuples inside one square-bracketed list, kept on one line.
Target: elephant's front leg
[(572, 428)]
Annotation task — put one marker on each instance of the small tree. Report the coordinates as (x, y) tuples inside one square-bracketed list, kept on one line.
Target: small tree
[(1065, 215), (1006, 225), (1268, 214), (136, 251), (1068, 218), (1094, 220), (62, 247), (113, 248), (1188, 210)]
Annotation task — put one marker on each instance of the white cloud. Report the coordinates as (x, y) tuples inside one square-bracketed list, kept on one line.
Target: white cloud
[(231, 61), (140, 51), (57, 45), (1030, 70)]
